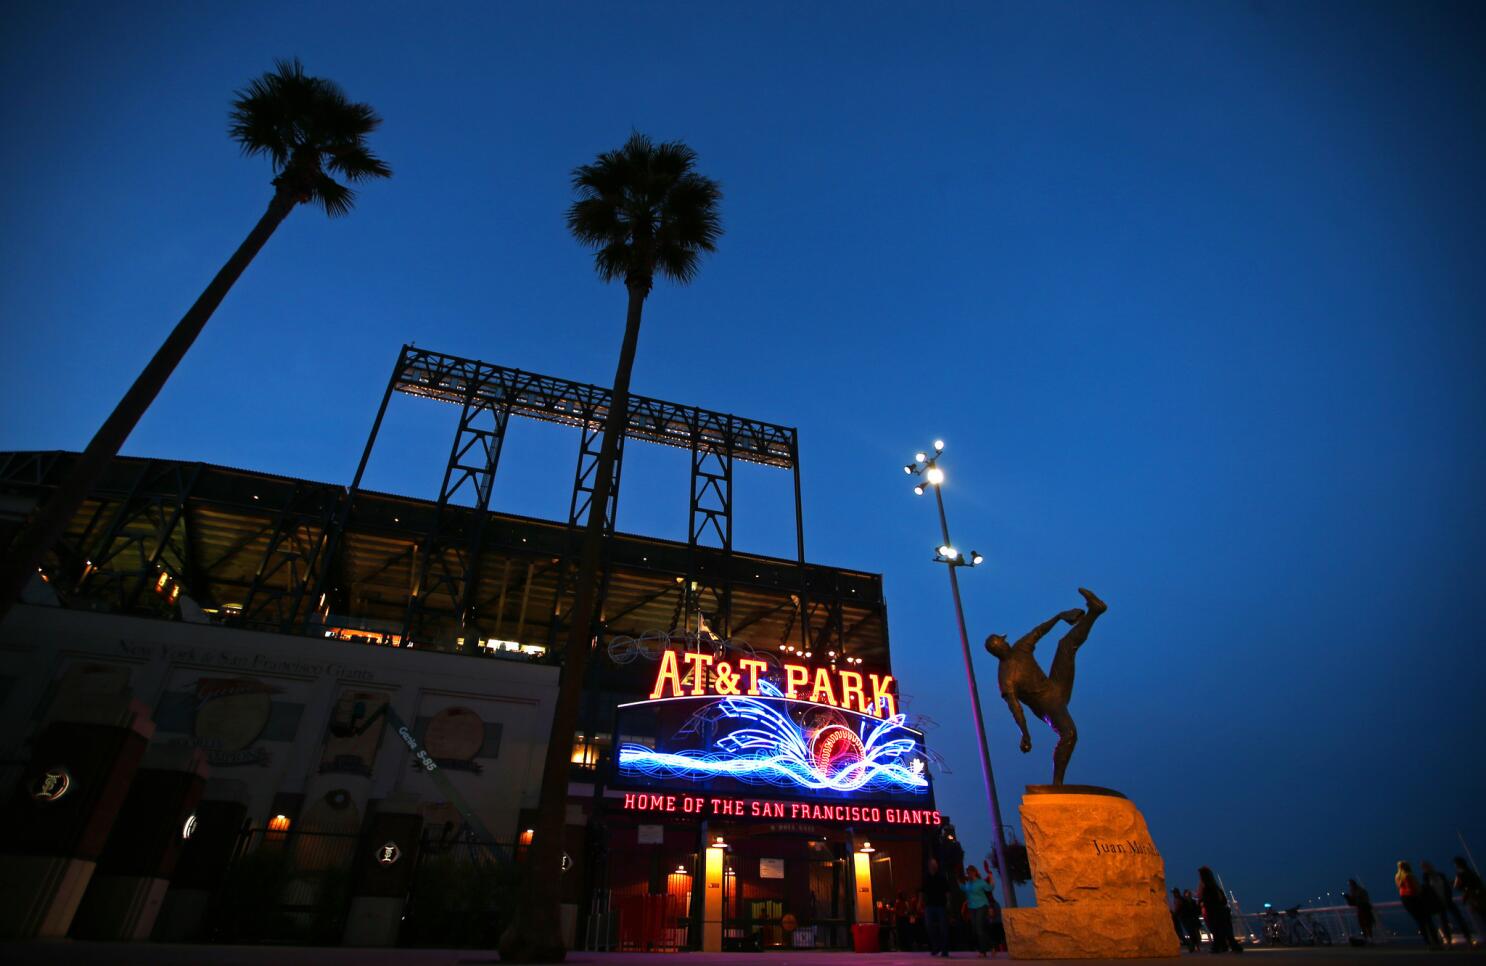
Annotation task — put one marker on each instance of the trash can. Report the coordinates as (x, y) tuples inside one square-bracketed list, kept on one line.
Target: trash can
[(864, 937)]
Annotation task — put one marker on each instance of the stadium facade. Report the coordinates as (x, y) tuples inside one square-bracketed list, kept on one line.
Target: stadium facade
[(246, 707)]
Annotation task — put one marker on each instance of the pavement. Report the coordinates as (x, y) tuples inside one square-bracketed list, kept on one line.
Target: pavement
[(69, 952)]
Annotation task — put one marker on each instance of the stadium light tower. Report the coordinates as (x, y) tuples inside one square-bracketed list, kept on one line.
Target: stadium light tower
[(926, 467)]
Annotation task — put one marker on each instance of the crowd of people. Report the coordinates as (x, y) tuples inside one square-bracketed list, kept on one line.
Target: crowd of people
[(1429, 899), (1189, 912), (955, 909), (952, 909)]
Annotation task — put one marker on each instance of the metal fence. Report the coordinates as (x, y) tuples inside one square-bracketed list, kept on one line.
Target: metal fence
[(296, 887), (1328, 926)]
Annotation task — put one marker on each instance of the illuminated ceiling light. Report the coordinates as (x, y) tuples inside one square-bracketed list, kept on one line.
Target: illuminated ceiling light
[(866, 848), (718, 843), (681, 870), (808, 654), (935, 475), (938, 445), (918, 490), (920, 457), (279, 823)]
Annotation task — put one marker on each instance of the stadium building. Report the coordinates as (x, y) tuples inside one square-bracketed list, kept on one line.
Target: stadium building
[(243, 707)]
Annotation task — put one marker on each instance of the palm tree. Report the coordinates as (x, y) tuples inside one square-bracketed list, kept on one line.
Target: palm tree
[(312, 133), (645, 211)]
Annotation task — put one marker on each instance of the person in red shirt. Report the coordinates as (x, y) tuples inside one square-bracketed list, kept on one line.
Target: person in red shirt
[(1416, 903)]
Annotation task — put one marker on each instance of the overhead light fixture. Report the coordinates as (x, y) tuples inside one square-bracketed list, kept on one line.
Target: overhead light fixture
[(866, 848), (949, 552), (919, 490), (718, 843), (935, 475), (908, 469), (938, 445), (976, 559), (681, 870), (920, 457)]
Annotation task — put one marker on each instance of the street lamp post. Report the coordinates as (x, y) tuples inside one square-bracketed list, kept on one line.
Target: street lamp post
[(927, 466)]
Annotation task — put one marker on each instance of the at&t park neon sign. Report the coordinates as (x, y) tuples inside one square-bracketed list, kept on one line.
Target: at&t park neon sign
[(839, 689), (824, 733)]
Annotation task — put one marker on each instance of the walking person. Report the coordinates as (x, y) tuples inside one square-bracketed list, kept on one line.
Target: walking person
[(1471, 893), (1358, 898), (935, 891), (1175, 904), (998, 925), (1442, 893), (1192, 919), (1215, 910), (1416, 902), (978, 905)]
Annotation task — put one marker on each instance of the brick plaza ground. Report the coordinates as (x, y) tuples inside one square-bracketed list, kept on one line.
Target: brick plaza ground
[(68, 953)]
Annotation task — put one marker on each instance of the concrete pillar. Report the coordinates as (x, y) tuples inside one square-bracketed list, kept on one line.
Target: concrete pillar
[(383, 874), (55, 825), (203, 863), (156, 821)]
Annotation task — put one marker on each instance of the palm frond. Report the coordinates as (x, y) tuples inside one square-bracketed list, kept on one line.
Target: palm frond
[(307, 126), (334, 197), (643, 208)]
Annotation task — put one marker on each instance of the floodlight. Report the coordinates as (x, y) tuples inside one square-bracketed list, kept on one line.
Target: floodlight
[(947, 551), (938, 445), (935, 475), (920, 457), (908, 469), (975, 558), (919, 490)]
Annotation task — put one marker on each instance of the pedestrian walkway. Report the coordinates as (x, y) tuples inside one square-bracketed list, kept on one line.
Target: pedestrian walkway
[(69, 953)]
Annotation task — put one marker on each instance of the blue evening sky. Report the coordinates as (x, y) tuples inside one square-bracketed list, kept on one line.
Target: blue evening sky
[(1194, 291)]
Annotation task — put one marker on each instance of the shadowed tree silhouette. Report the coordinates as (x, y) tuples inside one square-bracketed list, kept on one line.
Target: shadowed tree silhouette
[(645, 211), (313, 134)]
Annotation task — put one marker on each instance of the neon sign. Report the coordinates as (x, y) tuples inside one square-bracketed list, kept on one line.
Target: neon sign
[(705, 675), (767, 741), (704, 806)]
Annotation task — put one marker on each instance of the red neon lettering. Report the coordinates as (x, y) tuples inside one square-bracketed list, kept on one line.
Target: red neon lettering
[(670, 672), (851, 685), (629, 799), (726, 681), (754, 668), (701, 662), (883, 702), (938, 819), (823, 686), (876, 814), (795, 676)]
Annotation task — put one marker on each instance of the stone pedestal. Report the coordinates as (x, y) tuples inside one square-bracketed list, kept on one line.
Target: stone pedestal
[(1100, 883)]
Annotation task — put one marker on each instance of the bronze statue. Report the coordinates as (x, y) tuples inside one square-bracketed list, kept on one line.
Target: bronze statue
[(1022, 681)]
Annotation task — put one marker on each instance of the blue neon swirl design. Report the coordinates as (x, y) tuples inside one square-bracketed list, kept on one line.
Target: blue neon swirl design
[(774, 750)]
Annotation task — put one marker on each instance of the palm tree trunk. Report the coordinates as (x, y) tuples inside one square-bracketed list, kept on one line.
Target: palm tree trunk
[(47, 522), (535, 933)]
